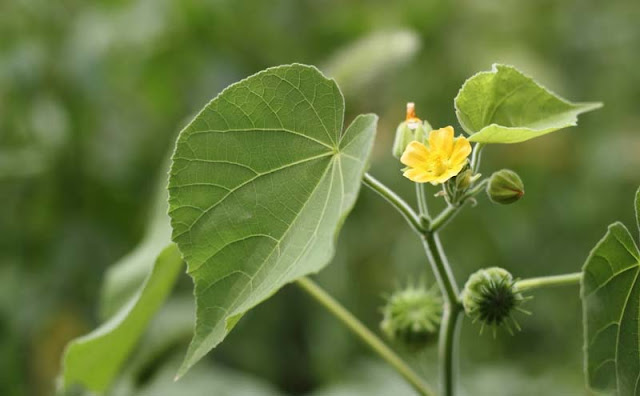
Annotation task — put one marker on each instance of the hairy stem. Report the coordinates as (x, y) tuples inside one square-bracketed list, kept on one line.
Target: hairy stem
[(447, 348), (475, 156), (443, 218), (549, 281), (440, 266), (452, 312), (398, 203), (422, 200), (366, 335)]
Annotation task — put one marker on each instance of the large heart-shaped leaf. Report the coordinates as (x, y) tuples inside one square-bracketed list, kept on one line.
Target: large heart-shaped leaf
[(611, 305), (505, 106), (94, 360), (261, 181)]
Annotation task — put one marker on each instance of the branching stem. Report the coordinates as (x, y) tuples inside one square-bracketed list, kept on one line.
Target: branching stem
[(427, 230)]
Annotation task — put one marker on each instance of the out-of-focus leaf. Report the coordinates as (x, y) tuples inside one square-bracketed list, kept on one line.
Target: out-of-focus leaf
[(611, 305), (374, 378), (368, 378), (207, 379), (505, 106), (123, 279), (380, 52), (171, 326), (261, 182), (94, 359), (21, 163)]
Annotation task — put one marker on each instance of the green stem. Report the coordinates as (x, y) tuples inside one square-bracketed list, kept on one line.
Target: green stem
[(451, 315), (443, 218), (366, 335), (447, 348), (398, 203), (422, 200), (440, 266), (475, 190), (549, 281), (452, 209), (475, 157), (441, 269)]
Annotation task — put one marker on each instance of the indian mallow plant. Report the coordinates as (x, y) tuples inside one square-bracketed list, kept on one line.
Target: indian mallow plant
[(264, 176)]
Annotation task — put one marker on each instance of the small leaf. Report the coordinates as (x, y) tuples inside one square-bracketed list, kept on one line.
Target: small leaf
[(93, 360), (505, 106), (261, 182), (611, 305)]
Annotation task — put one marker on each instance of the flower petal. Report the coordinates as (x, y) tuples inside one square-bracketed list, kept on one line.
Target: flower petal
[(441, 141), (456, 168), (461, 150), (444, 177), (452, 171), (418, 175), (415, 155)]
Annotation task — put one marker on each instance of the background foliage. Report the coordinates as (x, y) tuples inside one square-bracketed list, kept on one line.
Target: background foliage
[(93, 93)]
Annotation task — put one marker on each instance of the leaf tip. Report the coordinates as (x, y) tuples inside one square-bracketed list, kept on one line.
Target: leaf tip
[(590, 106), (186, 365)]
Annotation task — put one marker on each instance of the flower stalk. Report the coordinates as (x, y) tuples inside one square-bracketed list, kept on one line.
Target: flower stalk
[(549, 281), (398, 203)]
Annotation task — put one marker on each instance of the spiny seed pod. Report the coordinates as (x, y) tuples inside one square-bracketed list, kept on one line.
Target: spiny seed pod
[(409, 130), (505, 187), (490, 297), (412, 316)]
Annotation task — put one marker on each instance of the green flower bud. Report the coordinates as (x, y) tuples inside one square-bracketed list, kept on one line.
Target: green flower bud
[(465, 179), (490, 297), (409, 130), (412, 316), (505, 187)]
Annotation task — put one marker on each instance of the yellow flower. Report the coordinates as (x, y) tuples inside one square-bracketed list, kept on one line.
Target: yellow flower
[(443, 158)]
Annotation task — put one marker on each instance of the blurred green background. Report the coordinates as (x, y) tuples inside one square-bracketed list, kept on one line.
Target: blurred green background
[(92, 95)]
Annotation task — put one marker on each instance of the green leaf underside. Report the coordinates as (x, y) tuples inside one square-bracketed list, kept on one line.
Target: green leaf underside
[(94, 360), (261, 182), (611, 306), (506, 106)]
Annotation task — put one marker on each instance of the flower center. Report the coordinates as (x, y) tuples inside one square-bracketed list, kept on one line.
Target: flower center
[(440, 165)]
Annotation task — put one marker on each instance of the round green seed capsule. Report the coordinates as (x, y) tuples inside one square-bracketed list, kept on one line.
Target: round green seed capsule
[(490, 297), (411, 316)]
